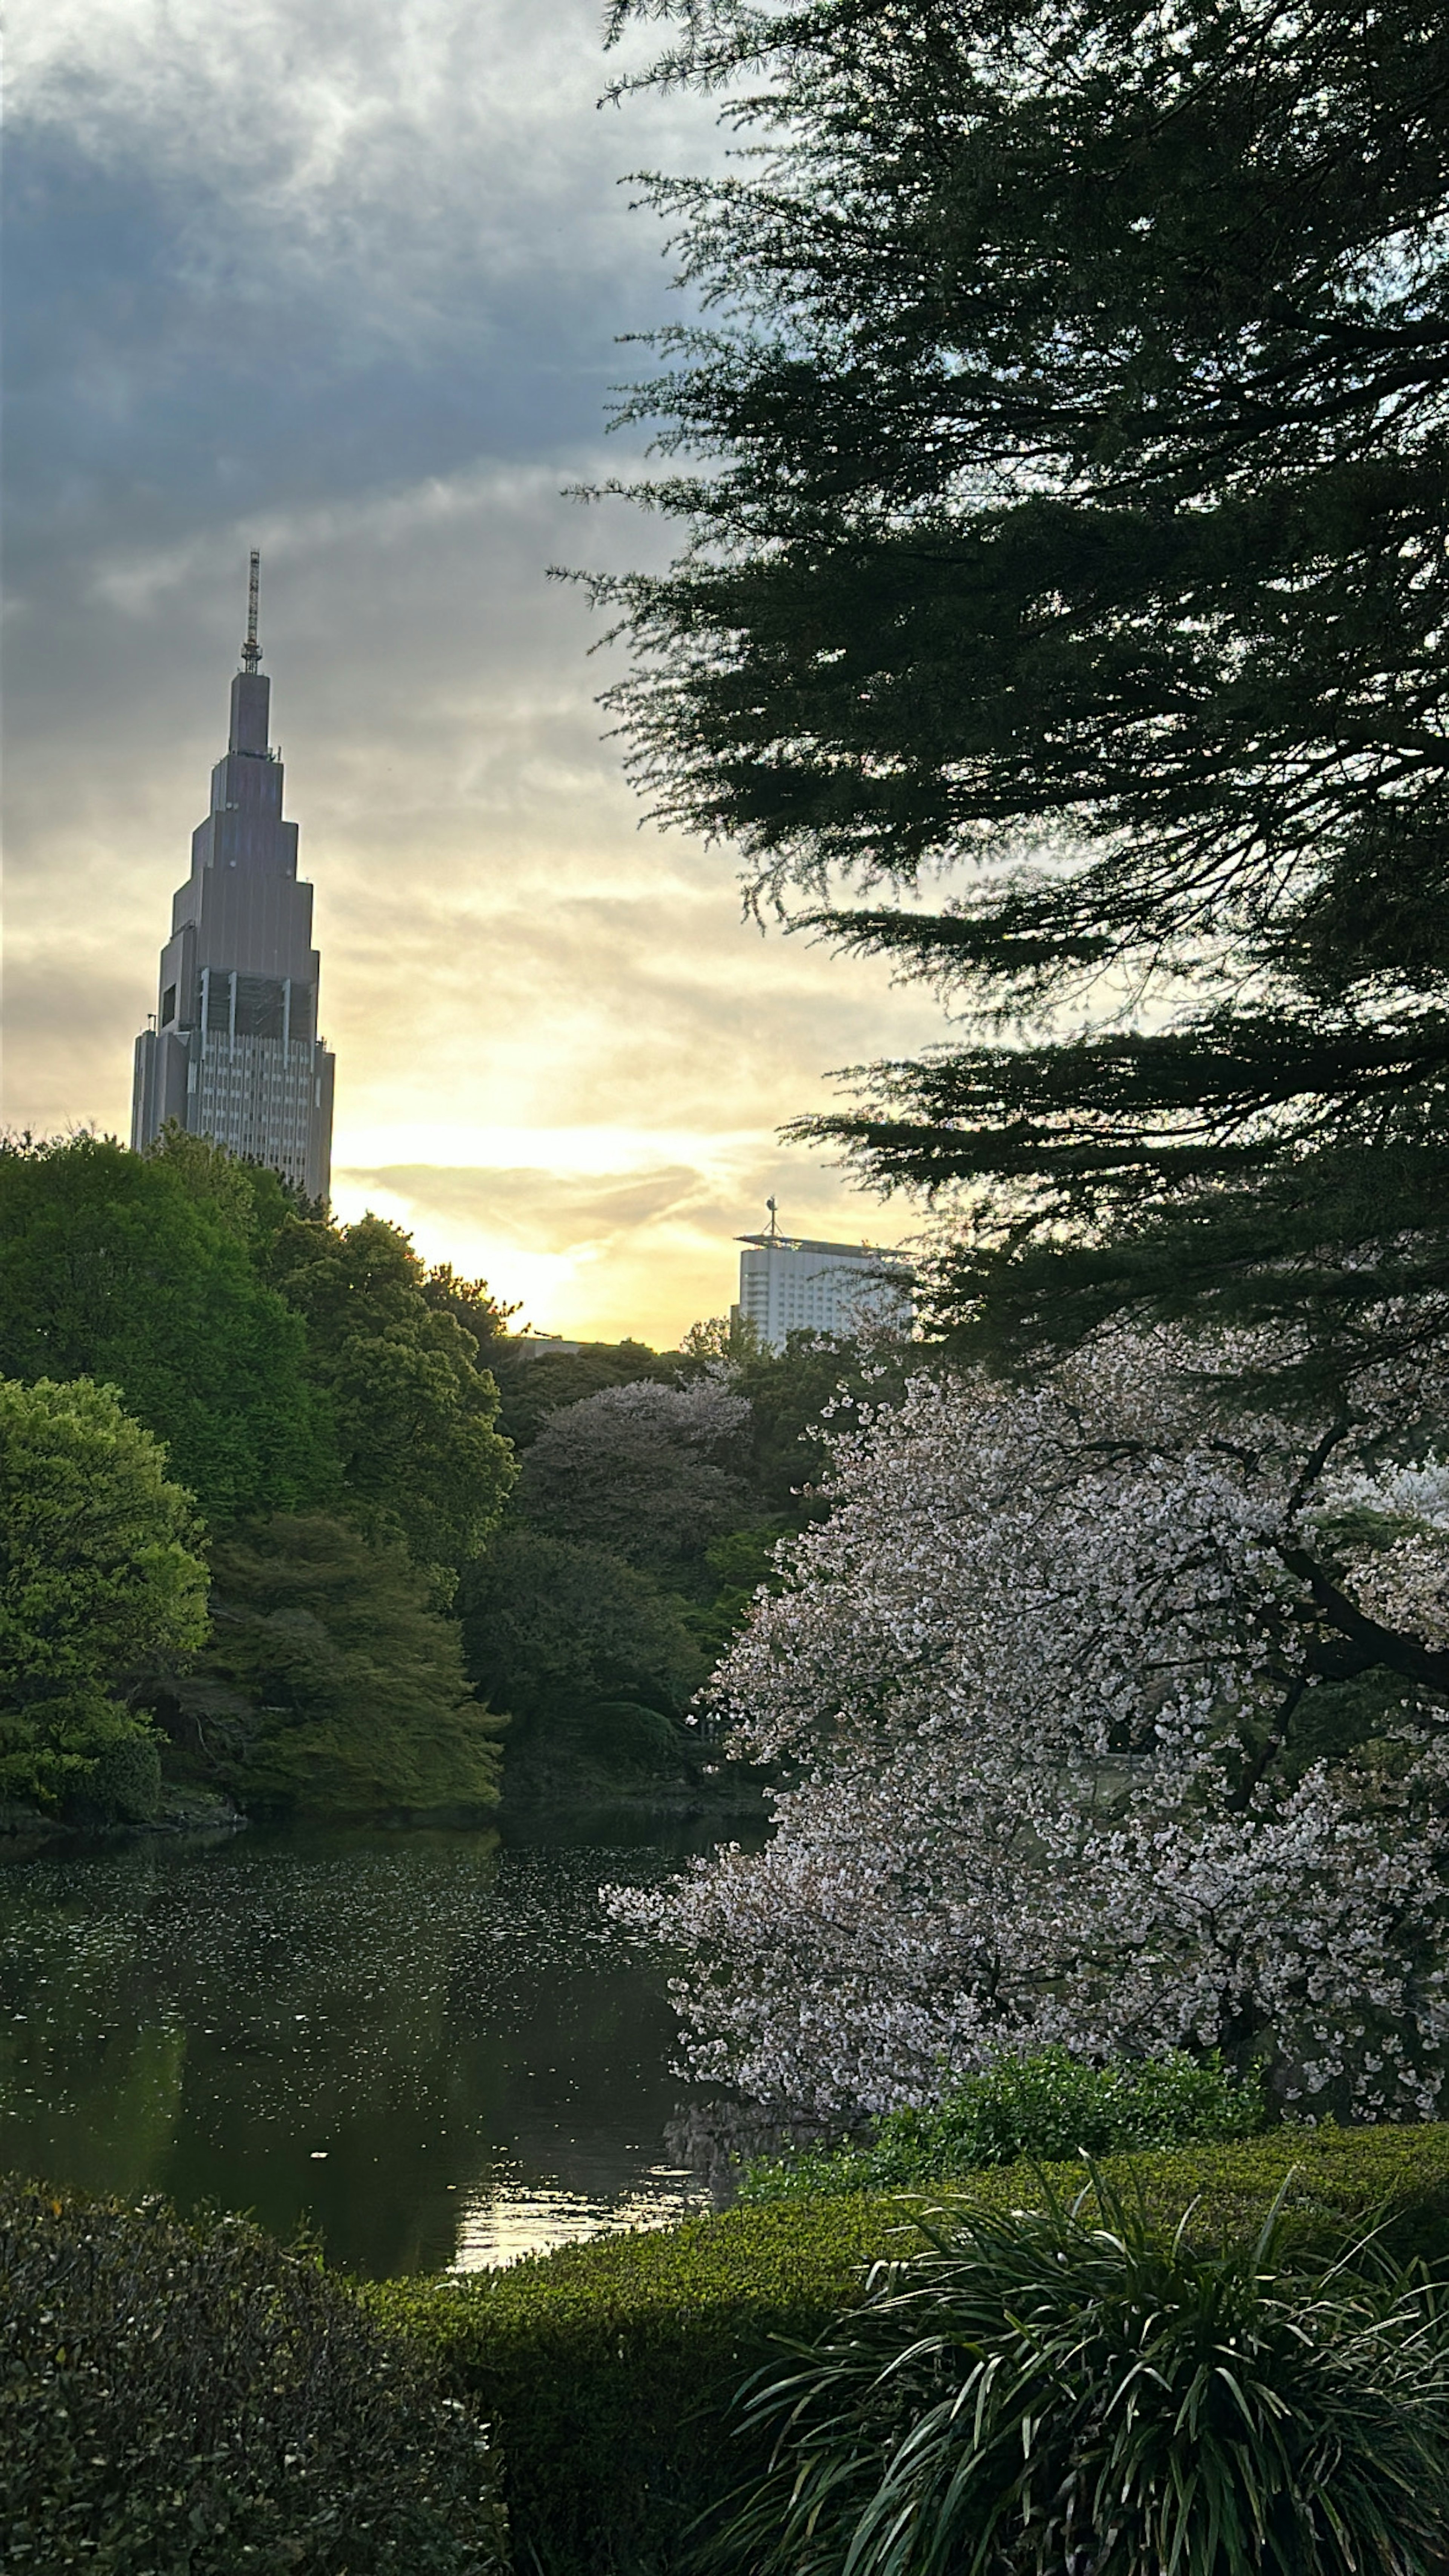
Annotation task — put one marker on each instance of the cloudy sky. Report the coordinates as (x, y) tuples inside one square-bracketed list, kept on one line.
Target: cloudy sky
[(341, 279)]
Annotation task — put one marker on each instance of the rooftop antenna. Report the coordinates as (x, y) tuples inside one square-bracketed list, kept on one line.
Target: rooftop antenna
[(251, 650), (774, 1221)]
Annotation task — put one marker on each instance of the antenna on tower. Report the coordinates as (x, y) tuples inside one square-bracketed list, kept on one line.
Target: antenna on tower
[(251, 650), (774, 1221)]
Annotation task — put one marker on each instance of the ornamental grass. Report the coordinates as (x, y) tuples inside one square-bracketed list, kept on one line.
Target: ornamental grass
[(1067, 2391)]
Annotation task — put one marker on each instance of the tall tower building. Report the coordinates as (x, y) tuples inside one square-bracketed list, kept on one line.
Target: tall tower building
[(233, 1051)]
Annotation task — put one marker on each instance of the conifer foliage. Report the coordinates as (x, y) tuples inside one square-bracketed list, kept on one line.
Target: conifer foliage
[(1071, 405)]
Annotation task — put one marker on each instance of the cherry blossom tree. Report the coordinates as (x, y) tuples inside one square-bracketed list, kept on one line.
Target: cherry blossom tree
[(1108, 1715), (650, 1472)]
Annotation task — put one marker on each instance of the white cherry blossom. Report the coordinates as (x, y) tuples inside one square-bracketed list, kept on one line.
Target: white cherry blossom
[(1041, 1693)]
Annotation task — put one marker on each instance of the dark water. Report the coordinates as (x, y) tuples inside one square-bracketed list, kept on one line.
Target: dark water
[(435, 2047)]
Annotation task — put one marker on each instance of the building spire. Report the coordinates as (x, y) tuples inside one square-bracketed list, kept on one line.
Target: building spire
[(251, 650)]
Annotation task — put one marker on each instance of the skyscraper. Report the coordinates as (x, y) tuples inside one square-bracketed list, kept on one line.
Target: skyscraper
[(233, 1051)]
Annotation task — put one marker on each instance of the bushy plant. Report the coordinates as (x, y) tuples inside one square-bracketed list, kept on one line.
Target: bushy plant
[(191, 2397), (628, 1737), (548, 1625), (141, 1272), (608, 2368), (1040, 2391), (1049, 2105), (123, 1786)]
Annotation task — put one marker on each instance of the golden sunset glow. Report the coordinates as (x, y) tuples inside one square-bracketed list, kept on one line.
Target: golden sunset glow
[(374, 266)]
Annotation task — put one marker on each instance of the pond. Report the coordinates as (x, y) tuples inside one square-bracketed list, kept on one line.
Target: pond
[(434, 2048)]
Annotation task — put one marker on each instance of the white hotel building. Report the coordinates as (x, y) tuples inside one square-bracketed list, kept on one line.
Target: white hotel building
[(792, 1284)]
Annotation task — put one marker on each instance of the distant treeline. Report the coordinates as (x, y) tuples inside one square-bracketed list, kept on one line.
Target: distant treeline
[(423, 1535)]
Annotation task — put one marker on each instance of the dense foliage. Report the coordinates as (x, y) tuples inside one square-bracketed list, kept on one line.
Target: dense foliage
[(413, 1413), (607, 2369), (332, 1403), (645, 1518), (651, 1472), (536, 1380), (550, 1625), (1066, 2387), (1048, 2107), (1110, 1717), (142, 1273), (193, 2397), (323, 1395), (99, 1571), (330, 1684), (563, 1637), (1066, 467)]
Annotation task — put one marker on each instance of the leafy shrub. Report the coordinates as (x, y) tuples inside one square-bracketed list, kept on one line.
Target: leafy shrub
[(1048, 2106), (608, 2368), (191, 2398), (628, 1737), (548, 1625), (1039, 2391), (124, 1784)]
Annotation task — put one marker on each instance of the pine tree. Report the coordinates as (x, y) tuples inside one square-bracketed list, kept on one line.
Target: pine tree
[(1070, 407)]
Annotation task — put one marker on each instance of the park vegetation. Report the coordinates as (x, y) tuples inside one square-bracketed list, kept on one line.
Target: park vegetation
[(1070, 2384), (1056, 468), (1059, 466), (190, 2396), (611, 2372), (296, 1523), (1056, 457)]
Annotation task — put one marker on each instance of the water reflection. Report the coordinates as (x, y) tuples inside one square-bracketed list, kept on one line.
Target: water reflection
[(511, 2216), (433, 2047)]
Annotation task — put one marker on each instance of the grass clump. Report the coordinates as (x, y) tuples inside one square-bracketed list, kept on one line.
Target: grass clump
[(1049, 2106), (190, 2400), (1066, 2388), (609, 2369)]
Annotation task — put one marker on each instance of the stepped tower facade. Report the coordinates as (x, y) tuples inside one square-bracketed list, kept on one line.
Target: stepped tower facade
[(233, 1050)]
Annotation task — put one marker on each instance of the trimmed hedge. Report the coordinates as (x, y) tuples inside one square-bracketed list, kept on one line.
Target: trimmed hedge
[(609, 2368), (190, 2400)]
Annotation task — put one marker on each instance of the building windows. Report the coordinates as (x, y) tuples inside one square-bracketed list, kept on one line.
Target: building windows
[(789, 1285)]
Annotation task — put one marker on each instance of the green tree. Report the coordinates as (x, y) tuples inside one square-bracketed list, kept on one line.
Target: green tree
[(791, 1393), (472, 1304), (549, 1624), (593, 1662), (415, 1415), (141, 1271), (98, 1572), (1076, 468), (329, 1685), (737, 1565)]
